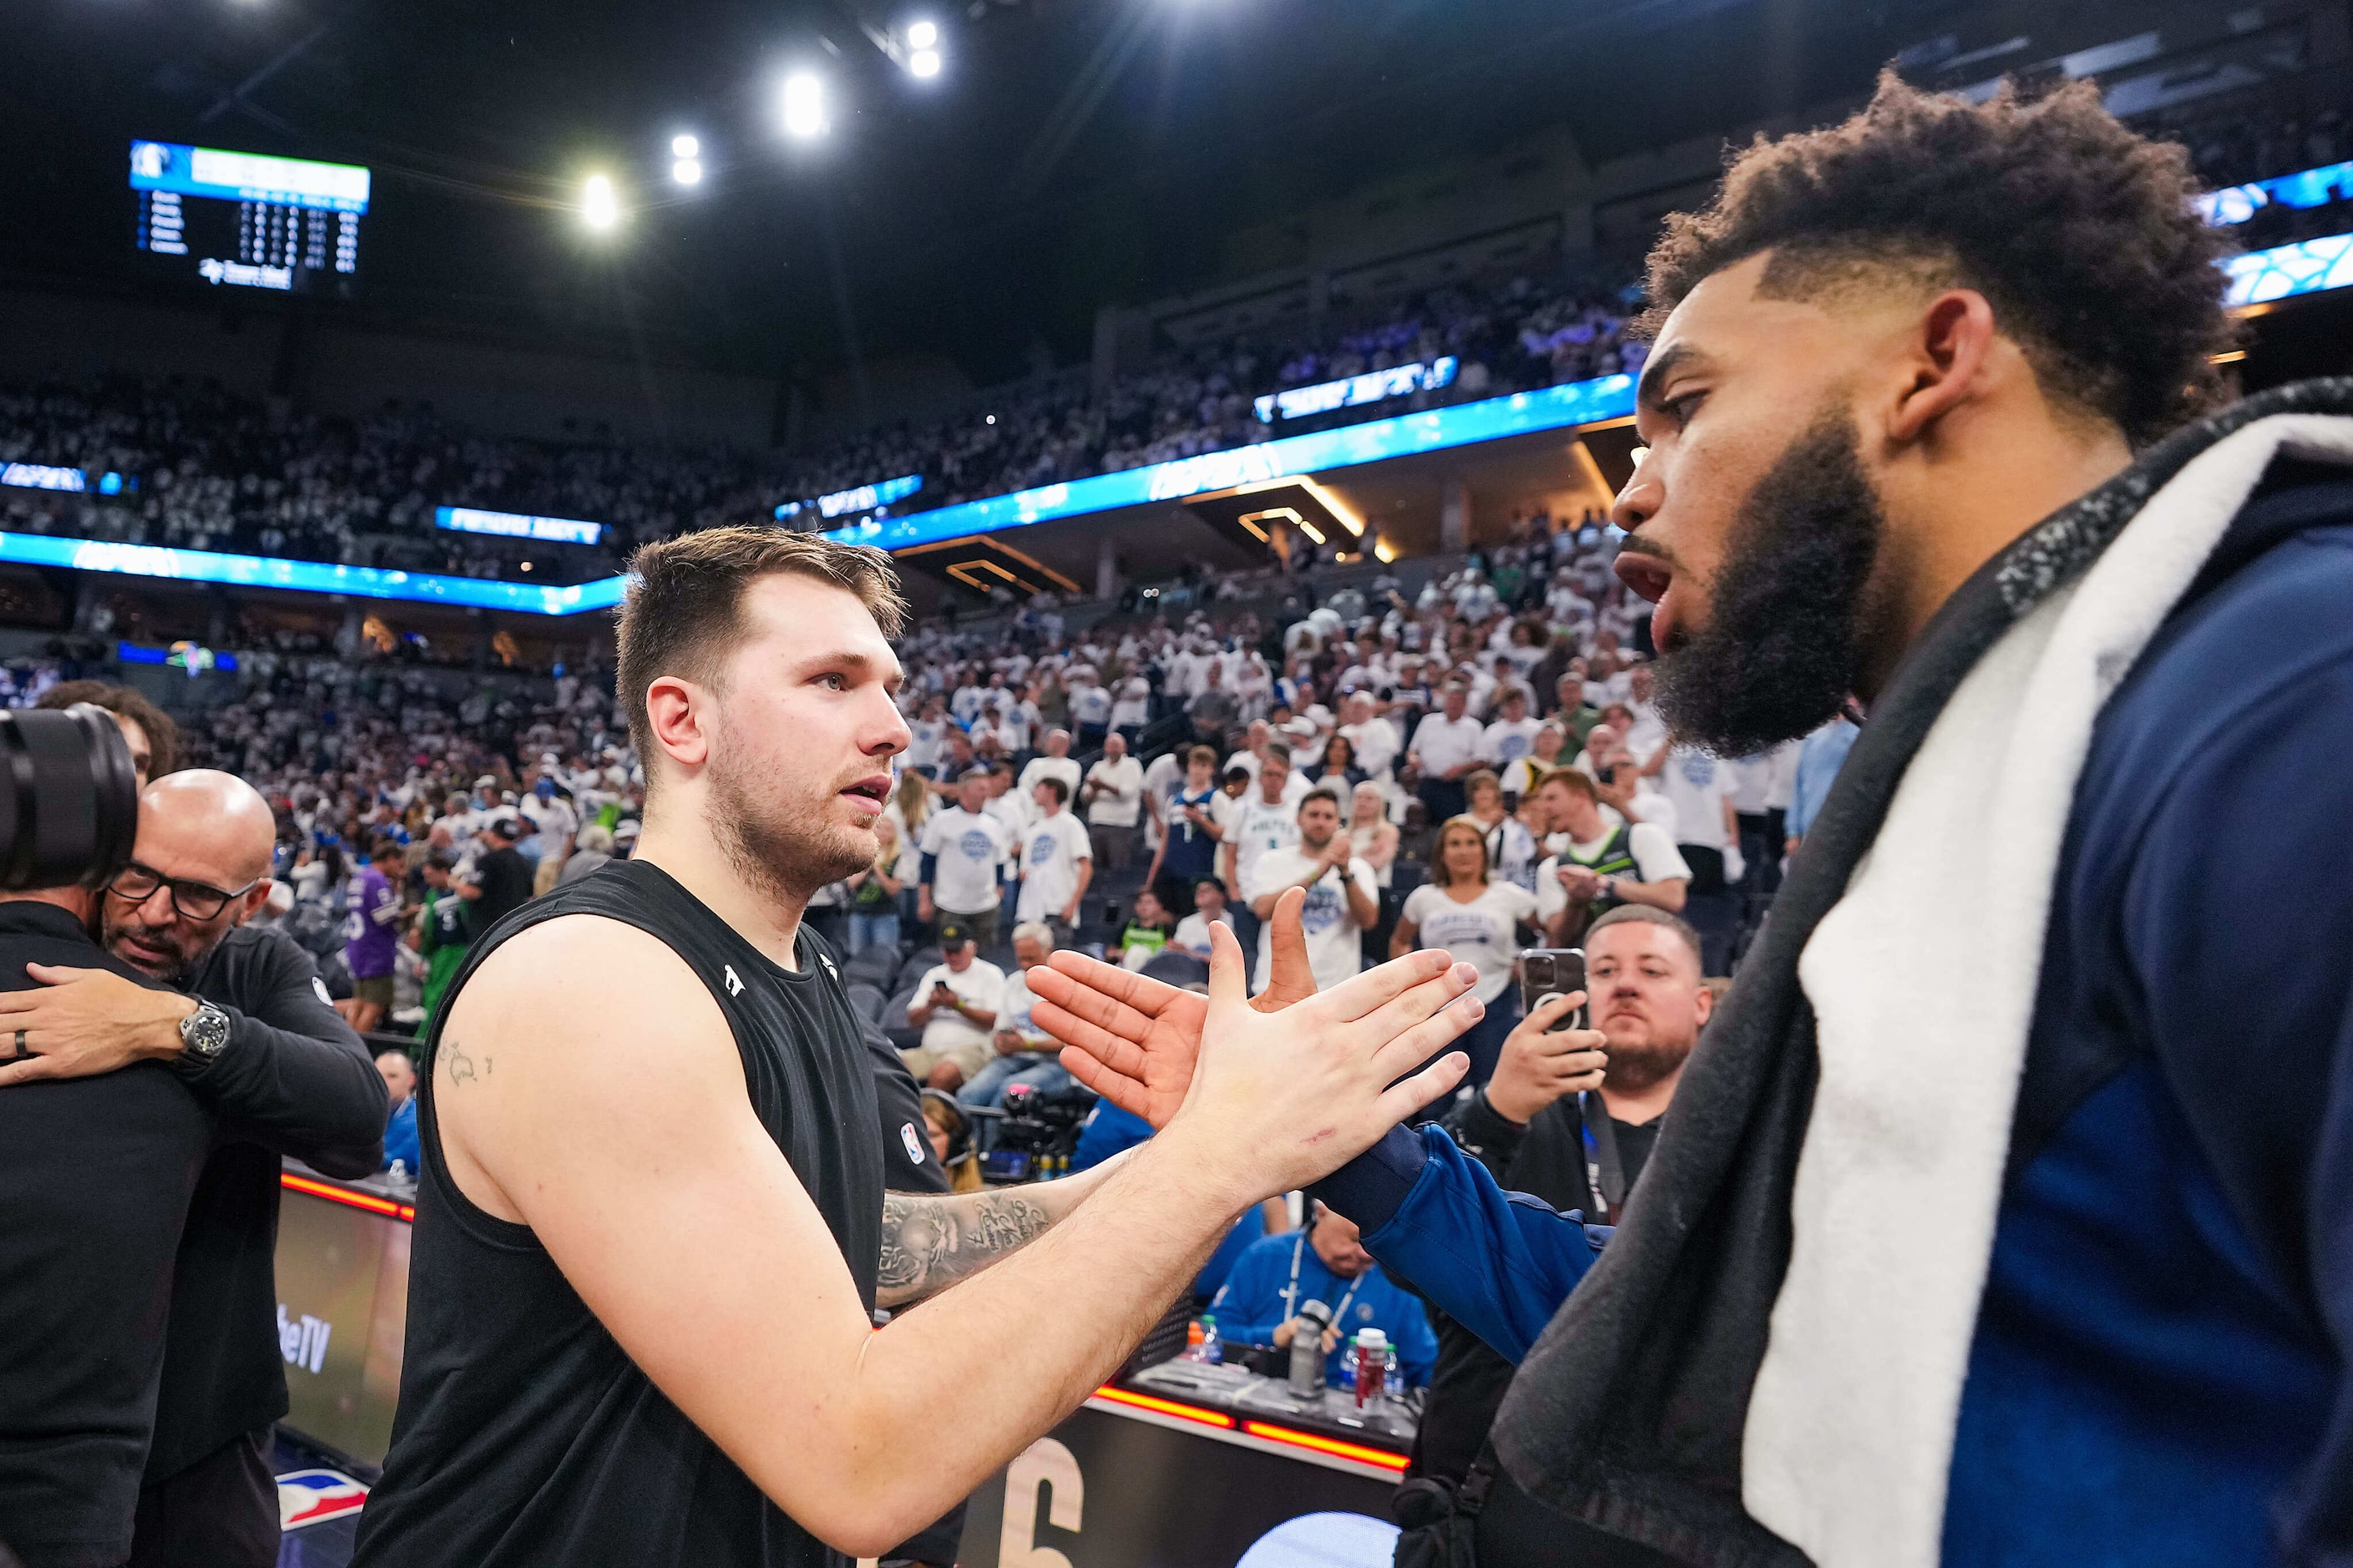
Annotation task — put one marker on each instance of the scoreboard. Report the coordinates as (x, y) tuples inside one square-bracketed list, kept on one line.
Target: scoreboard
[(250, 220)]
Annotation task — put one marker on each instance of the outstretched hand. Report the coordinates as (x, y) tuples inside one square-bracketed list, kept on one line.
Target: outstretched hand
[(1133, 1039), (1278, 1099)]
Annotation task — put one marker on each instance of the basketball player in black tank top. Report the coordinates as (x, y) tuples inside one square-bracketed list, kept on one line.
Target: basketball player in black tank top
[(652, 1226)]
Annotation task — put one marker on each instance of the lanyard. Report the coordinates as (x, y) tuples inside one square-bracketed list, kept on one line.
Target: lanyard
[(1603, 1172), (1290, 1291)]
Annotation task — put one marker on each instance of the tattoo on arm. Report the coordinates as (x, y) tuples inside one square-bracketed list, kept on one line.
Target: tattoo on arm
[(461, 1065), (930, 1243)]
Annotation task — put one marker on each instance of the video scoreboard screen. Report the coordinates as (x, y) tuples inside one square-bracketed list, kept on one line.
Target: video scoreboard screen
[(248, 220)]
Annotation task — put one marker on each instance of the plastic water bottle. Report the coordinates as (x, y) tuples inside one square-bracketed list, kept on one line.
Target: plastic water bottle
[(1211, 1351), (1372, 1365), (1307, 1349)]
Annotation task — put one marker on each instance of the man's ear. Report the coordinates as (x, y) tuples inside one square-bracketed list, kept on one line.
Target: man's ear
[(676, 711), (1947, 354)]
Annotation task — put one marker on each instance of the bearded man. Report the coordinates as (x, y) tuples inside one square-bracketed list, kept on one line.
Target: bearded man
[(2004, 1215)]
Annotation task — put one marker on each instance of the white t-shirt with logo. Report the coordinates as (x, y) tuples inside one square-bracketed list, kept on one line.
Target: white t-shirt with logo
[(1484, 932), (1506, 742), (1334, 951), (980, 986), (1255, 828), (969, 848), (1050, 853), (1697, 785)]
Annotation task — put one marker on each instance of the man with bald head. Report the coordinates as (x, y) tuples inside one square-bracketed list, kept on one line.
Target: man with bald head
[(248, 1027)]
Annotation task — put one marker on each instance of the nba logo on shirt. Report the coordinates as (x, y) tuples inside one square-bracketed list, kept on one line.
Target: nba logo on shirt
[(914, 1141), (307, 1497), (820, 958), (734, 986)]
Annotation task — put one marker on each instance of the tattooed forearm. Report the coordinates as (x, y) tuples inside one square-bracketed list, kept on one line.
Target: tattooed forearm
[(929, 1243)]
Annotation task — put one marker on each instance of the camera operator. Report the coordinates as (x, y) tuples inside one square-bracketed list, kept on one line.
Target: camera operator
[(263, 1050), (96, 1175)]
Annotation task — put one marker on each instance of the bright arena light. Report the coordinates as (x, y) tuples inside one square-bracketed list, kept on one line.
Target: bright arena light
[(600, 208), (684, 148), (686, 172), (924, 62), (922, 36), (803, 105)]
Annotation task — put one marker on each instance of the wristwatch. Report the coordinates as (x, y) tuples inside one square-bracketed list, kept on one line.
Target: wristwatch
[(204, 1035)]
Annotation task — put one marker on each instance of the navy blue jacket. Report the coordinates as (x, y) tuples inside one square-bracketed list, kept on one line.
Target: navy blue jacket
[(2159, 1370)]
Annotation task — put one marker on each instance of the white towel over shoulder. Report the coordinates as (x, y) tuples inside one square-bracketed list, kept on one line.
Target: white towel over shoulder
[(1923, 981)]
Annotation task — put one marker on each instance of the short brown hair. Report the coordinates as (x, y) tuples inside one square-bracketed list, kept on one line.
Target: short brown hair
[(685, 602), (162, 734), (1572, 780), (2078, 232), (1649, 914)]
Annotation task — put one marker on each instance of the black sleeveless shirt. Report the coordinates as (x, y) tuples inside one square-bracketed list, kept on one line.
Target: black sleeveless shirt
[(525, 1434)]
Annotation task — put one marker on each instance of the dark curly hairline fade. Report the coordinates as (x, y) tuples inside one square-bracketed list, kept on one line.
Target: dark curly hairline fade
[(2079, 233), (683, 609)]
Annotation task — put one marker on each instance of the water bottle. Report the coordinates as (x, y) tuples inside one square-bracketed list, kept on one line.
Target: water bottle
[(1211, 1351), (1192, 1341), (1307, 1349), (1371, 1363)]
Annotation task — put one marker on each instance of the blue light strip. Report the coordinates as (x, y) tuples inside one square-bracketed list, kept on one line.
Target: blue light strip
[(2308, 267), (1522, 413), (307, 576)]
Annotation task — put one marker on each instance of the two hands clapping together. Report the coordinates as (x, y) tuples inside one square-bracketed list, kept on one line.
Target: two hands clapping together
[(1281, 1090)]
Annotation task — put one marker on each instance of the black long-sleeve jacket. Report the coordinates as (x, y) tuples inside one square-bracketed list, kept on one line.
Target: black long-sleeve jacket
[(294, 1079)]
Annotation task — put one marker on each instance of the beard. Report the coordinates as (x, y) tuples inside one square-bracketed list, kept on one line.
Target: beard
[(1637, 1065), (779, 839), (1781, 650), (171, 966)]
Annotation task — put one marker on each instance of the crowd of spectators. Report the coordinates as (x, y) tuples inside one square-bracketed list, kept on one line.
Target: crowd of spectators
[(194, 466)]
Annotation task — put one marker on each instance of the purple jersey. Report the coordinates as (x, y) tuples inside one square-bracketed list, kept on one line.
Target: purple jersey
[(369, 930)]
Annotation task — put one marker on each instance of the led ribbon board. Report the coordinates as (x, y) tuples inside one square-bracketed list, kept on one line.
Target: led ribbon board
[(850, 502), (1522, 413), (1373, 386), (517, 525), (44, 476), (307, 576), (2286, 270)]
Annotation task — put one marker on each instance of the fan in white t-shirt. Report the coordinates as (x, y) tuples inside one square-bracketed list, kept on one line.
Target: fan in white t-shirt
[(1056, 862), (1472, 914), (1343, 900), (1265, 818)]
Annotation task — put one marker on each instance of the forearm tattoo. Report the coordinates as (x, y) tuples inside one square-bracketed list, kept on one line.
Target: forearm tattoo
[(930, 1243)]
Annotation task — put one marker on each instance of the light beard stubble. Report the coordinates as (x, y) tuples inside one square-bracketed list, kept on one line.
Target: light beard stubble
[(787, 853)]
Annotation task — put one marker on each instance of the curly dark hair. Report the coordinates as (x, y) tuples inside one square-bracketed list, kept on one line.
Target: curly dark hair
[(2079, 233)]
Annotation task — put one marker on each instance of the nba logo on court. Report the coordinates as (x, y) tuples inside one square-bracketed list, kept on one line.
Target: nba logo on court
[(308, 1497)]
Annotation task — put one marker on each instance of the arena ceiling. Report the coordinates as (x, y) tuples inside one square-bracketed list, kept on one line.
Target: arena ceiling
[(1071, 151)]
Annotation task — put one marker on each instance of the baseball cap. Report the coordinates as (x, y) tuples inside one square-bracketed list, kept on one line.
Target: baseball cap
[(507, 828), (953, 933)]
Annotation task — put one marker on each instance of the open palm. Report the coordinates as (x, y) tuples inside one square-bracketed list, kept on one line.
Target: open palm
[(1133, 1039)]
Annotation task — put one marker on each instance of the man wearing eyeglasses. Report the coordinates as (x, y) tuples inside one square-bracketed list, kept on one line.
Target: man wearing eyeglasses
[(250, 1030)]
